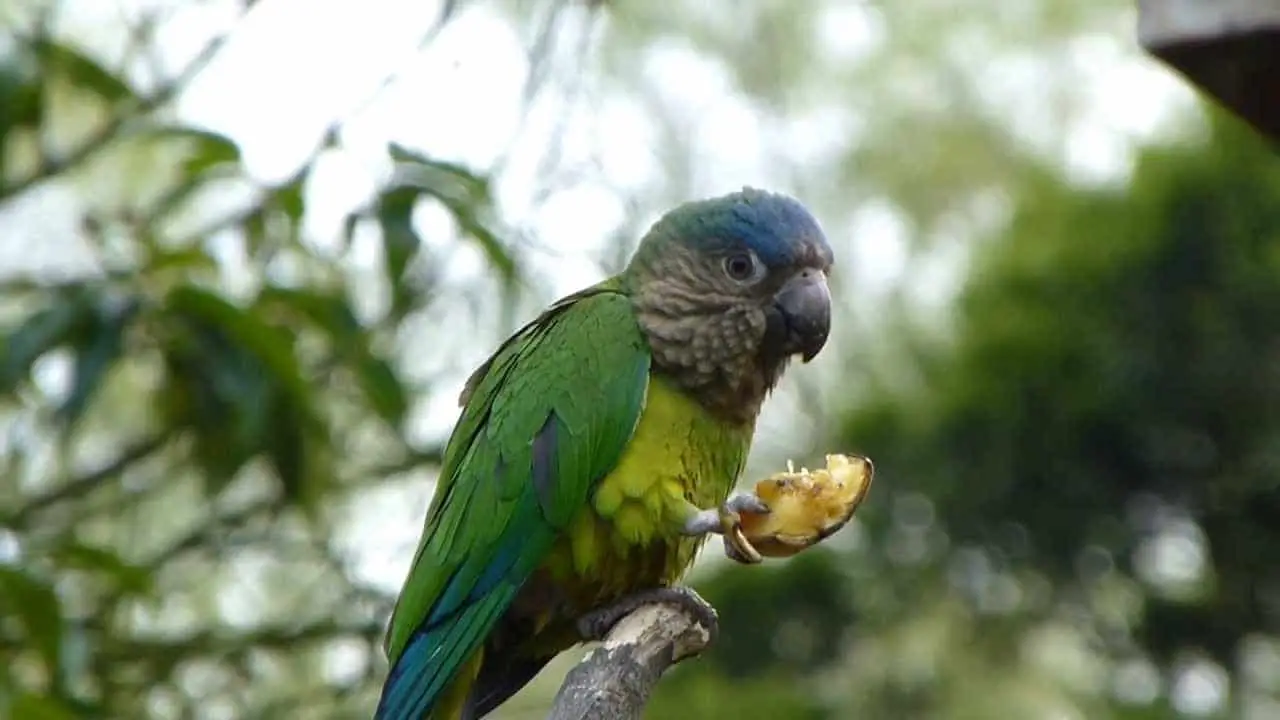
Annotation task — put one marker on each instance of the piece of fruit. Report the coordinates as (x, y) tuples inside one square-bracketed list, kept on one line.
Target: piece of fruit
[(807, 506)]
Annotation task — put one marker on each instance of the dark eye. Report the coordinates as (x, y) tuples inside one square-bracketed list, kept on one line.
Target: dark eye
[(740, 266)]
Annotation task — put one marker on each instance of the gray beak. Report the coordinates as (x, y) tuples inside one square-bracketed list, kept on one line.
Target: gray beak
[(804, 303)]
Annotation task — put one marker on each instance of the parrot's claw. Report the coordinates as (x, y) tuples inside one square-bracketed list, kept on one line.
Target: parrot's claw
[(726, 522), (740, 502), (597, 624)]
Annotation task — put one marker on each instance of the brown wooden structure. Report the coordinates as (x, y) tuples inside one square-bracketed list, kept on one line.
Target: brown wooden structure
[(1230, 49)]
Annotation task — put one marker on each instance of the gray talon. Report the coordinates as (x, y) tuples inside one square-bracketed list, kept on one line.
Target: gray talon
[(704, 522), (748, 502), (597, 624), (726, 522)]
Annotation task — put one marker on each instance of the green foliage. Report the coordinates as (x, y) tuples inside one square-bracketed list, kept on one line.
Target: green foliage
[(332, 315), (1114, 346), (56, 59), (35, 605), (1108, 378), (189, 427), (182, 437), (465, 195), (811, 594), (235, 380), (61, 321), (714, 696)]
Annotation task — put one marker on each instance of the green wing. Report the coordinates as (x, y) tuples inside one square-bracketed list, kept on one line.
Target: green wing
[(544, 420)]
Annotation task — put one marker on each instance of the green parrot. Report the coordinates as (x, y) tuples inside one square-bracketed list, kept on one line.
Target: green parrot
[(598, 448)]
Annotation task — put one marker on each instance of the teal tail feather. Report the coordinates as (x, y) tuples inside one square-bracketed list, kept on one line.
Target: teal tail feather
[(433, 656)]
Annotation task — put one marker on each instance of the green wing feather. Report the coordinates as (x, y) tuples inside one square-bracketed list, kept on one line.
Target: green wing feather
[(544, 420)]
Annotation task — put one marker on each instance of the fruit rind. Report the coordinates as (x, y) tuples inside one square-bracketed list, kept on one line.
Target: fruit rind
[(807, 506)]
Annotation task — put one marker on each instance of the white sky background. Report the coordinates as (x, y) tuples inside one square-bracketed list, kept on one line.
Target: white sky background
[(294, 66)]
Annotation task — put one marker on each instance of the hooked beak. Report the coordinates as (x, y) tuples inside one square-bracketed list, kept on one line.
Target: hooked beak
[(804, 304)]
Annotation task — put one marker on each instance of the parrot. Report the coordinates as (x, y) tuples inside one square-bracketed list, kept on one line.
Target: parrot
[(599, 447)]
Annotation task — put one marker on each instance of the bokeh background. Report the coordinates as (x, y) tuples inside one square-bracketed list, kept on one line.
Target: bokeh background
[(249, 251)]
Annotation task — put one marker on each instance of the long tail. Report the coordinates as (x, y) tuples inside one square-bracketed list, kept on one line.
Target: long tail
[(433, 677)]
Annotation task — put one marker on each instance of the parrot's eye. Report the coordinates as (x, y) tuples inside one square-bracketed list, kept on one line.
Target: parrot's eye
[(740, 266)]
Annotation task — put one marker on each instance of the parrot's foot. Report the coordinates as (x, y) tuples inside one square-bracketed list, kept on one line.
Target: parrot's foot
[(726, 522), (597, 624)]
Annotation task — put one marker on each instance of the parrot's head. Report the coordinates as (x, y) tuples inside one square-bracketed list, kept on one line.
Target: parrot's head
[(727, 290)]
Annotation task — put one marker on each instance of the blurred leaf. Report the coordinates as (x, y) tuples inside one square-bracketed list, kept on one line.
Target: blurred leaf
[(465, 194), (255, 233), (382, 388), (400, 241), (331, 313), (710, 695), (497, 252), (810, 591), (348, 232), (192, 402), (96, 354), (288, 451), (21, 102), (248, 392), (35, 707), (210, 156), (81, 70), (207, 149), (38, 334), (38, 608), (128, 578), (184, 262), (273, 347), (221, 394), (288, 198), (455, 180), (441, 178)]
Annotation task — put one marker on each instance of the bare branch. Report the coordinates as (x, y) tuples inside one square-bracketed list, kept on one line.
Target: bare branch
[(83, 484), (159, 657), (120, 123), (203, 535), (615, 680), (216, 643)]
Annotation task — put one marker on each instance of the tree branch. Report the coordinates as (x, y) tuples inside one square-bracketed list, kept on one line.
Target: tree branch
[(118, 124), (614, 681), (78, 486), (158, 658)]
